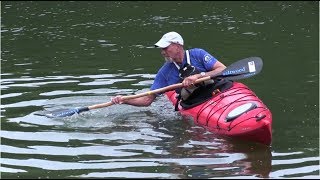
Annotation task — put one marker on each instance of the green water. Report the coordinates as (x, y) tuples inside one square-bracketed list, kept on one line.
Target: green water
[(68, 54)]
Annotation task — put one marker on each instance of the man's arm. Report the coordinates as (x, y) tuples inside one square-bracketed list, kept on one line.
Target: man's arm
[(141, 101), (216, 68)]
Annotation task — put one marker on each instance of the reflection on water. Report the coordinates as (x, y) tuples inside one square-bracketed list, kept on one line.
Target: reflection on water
[(127, 142), (120, 137), (73, 54), (154, 139)]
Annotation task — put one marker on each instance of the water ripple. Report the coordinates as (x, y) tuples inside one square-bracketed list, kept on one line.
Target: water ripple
[(58, 165), (67, 136), (126, 174)]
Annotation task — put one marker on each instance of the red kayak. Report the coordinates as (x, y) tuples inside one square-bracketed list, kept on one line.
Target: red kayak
[(234, 112)]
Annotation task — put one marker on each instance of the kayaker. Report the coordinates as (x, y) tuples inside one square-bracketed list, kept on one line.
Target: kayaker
[(181, 65)]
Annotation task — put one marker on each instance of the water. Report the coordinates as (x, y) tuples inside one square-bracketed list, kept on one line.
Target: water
[(73, 54)]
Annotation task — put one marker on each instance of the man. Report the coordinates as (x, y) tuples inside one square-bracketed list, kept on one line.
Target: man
[(177, 59)]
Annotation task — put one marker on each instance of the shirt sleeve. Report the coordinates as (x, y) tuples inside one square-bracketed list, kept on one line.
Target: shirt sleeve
[(207, 59), (159, 82)]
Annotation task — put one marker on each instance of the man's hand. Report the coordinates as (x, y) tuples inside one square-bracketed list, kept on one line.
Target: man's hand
[(117, 100), (190, 80)]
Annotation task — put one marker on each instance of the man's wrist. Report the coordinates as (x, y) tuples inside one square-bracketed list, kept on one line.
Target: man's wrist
[(202, 74)]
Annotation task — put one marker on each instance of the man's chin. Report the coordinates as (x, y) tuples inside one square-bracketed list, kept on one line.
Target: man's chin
[(168, 60)]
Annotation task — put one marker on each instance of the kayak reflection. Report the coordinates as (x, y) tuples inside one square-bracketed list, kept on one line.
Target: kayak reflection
[(211, 156)]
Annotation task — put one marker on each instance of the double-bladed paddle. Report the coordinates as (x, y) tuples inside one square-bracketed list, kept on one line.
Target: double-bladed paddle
[(239, 70)]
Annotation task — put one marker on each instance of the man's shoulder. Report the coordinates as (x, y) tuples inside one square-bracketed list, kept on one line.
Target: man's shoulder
[(165, 66), (197, 51)]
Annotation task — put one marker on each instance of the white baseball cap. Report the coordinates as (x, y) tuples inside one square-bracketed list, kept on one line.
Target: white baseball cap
[(168, 38)]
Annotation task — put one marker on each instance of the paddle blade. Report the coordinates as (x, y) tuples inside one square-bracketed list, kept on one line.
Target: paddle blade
[(242, 69), (65, 112)]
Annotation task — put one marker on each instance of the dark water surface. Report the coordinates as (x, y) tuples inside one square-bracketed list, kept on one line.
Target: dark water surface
[(72, 54)]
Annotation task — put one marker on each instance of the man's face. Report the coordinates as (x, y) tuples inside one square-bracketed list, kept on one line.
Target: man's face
[(170, 52)]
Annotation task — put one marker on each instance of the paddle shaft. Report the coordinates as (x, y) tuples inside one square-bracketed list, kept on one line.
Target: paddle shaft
[(160, 90)]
